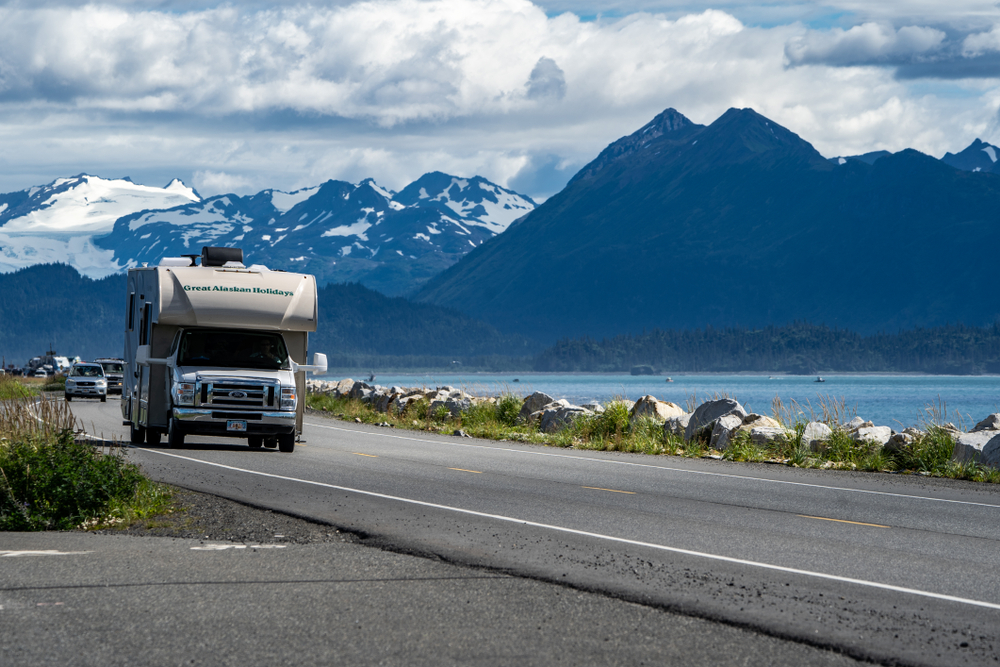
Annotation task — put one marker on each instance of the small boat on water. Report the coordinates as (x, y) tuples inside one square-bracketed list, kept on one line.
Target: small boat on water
[(819, 379), (670, 379)]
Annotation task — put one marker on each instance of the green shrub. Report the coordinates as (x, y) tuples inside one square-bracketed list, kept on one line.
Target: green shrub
[(613, 422), (58, 483), (508, 409), (742, 448), (928, 453)]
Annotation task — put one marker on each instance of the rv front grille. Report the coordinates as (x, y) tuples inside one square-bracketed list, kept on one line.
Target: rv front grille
[(231, 394)]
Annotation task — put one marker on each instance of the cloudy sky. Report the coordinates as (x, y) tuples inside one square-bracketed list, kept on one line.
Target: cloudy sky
[(242, 96)]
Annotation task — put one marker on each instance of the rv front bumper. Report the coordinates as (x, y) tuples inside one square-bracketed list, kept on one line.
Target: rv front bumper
[(216, 422)]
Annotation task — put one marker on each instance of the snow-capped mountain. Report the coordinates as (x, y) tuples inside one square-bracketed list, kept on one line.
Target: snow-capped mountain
[(57, 222), (338, 231)]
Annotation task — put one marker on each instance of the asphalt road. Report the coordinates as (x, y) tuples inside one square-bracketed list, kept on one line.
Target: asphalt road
[(886, 568)]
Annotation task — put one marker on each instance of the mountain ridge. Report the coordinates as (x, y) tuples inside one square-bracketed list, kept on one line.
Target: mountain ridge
[(743, 223)]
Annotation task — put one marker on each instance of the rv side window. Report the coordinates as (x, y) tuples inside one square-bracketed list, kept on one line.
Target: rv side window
[(144, 325), (131, 311)]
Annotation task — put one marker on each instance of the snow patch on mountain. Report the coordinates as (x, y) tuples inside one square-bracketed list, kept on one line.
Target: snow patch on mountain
[(89, 204), (59, 221), (286, 201)]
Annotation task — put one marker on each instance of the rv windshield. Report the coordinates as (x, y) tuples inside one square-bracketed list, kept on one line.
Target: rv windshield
[(230, 348)]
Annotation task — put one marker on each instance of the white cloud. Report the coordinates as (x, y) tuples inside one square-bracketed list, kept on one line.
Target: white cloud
[(286, 96), (866, 43)]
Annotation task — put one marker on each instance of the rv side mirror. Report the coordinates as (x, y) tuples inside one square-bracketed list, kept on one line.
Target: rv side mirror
[(319, 361)]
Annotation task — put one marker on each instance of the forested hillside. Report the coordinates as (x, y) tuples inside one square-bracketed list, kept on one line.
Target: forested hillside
[(796, 348), (53, 304)]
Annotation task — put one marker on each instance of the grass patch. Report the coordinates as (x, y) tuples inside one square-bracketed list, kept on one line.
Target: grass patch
[(50, 480), (11, 388)]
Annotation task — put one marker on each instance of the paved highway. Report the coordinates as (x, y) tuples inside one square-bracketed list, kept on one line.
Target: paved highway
[(881, 567)]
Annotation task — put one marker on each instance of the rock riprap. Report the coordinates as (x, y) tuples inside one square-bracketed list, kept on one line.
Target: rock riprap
[(715, 422)]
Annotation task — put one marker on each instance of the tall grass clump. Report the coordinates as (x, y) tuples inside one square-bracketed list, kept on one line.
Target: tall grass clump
[(50, 480)]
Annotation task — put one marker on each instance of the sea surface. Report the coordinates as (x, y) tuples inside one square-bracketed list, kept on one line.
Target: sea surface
[(888, 400)]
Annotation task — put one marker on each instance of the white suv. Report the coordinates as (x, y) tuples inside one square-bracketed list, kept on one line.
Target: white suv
[(86, 381)]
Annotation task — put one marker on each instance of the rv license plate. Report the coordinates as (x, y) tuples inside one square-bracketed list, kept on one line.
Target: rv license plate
[(233, 425)]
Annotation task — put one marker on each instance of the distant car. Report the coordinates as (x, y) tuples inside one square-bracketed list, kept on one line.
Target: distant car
[(86, 380), (113, 372), (40, 374)]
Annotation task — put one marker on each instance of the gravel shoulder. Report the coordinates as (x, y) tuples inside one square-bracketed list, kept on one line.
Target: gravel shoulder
[(203, 516)]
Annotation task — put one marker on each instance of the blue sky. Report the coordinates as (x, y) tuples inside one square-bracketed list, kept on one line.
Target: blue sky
[(242, 96)]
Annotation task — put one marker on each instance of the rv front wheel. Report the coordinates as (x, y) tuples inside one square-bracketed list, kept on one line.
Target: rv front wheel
[(175, 437), (286, 442)]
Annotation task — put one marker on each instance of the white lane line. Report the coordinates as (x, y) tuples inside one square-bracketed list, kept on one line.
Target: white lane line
[(46, 552), (647, 465), (608, 538)]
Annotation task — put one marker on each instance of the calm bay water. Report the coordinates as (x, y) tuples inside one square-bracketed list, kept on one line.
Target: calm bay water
[(890, 400)]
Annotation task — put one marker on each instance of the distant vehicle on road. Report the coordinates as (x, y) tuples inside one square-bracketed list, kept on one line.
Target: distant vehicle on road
[(114, 372), (86, 380)]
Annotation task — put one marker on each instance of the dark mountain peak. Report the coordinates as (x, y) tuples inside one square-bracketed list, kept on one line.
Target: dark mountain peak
[(979, 156), (742, 134), (669, 124), (431, 185)]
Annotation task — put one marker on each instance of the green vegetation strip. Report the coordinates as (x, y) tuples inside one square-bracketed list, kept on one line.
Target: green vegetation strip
[(613, 430), (51, 480)]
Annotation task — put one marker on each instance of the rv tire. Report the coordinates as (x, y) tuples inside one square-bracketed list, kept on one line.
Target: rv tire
[(136, 434), (286, 442), (152, 437), (175, 436)]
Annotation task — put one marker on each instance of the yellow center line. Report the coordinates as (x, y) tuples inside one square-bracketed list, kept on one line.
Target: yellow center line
[(478, 472), (597, 488), (856, 523), (368, 455)]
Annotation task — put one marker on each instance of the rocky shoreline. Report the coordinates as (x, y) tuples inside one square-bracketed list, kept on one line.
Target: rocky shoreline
[(719, 423)]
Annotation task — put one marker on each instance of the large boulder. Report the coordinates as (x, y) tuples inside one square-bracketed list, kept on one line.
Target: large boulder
[(971, 446), (991, 453), (455, 404), (724, 430), (991, 423), (557, 415), (651, 408), (763, 436), (703, 419), (815, 436), (533, 404), (676, 426), (856, 423), (874, 434)]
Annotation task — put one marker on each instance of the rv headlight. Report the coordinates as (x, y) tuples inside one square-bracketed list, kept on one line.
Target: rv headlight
[(184, 393), (288, 398)]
